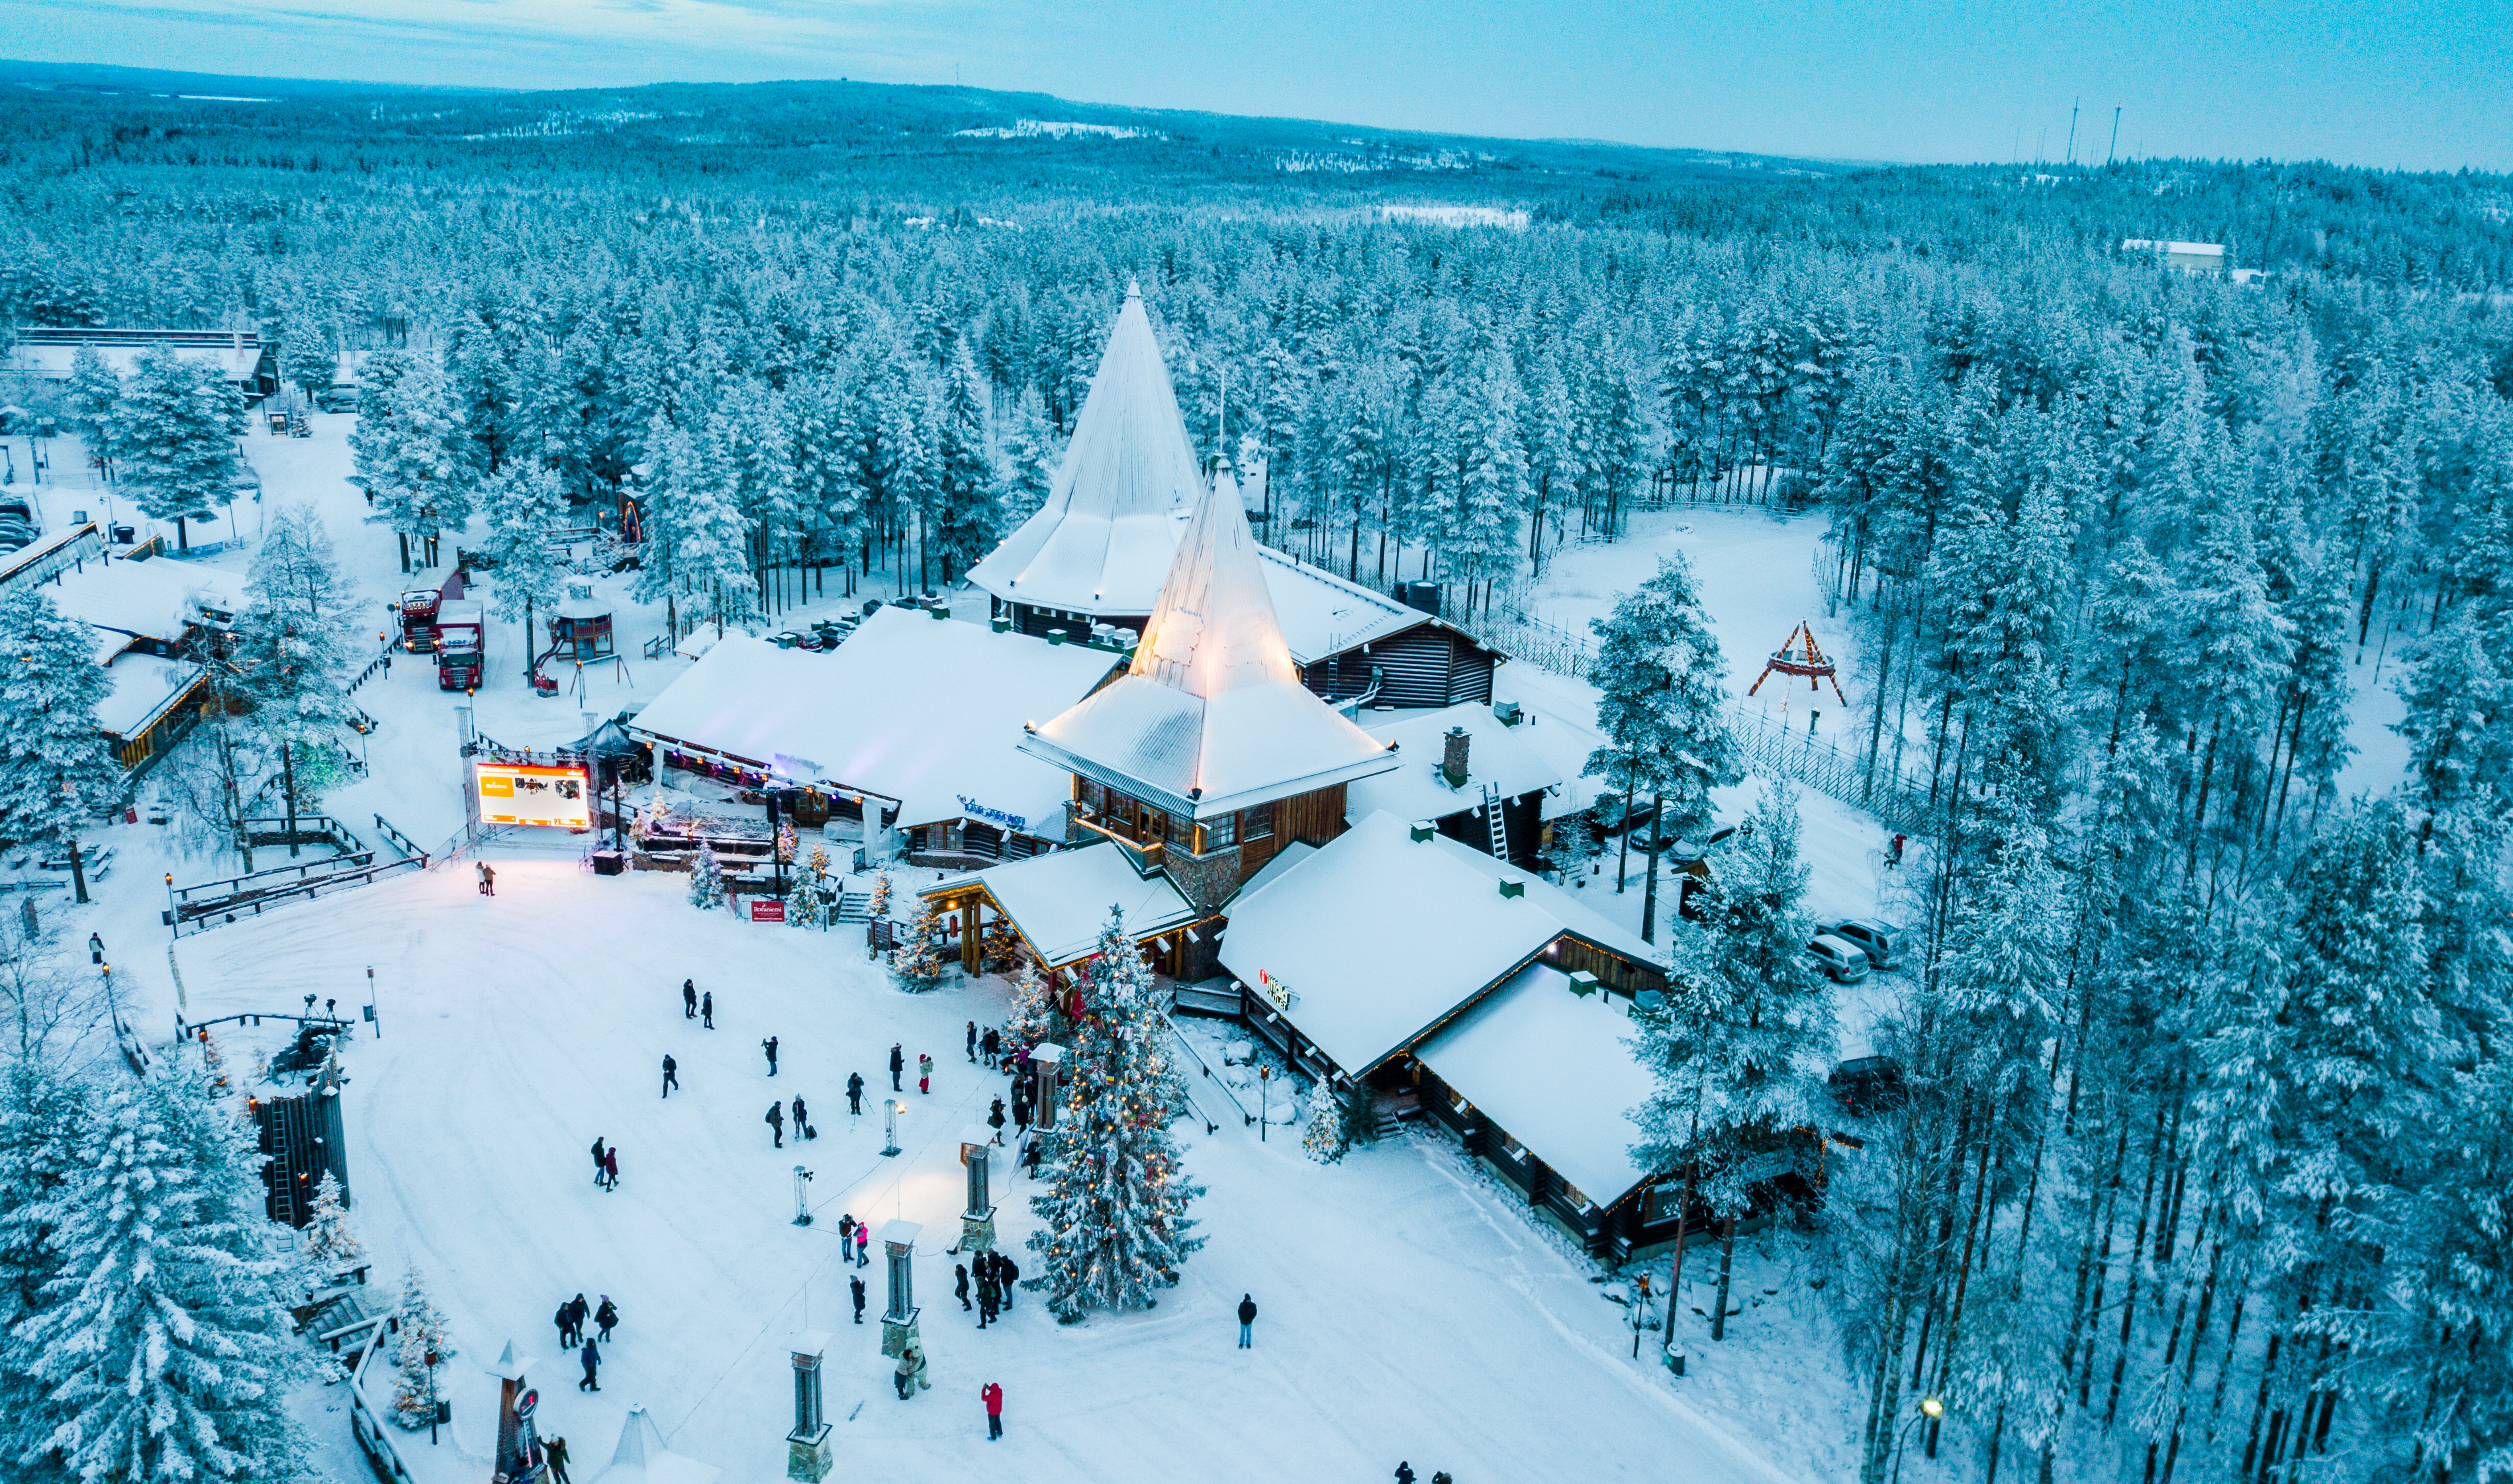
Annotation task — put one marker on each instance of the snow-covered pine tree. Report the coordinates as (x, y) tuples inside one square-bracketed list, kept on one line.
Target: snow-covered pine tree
[(164, 1336), (409, 449), (923, 960), (1662, 705), (174, 440), (56, 772), (1330, 1129), (94, 394), (815, 901), (524, 505), (1034, 1016), (329, 1242), (1115, 1222), (308, 359), (291, 642), (706, 880), (879, 906), (968, 511), (1030, 454), (422, 1334), (45, 1127)]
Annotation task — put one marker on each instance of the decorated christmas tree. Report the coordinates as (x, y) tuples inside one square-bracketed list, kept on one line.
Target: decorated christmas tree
[(1114, 1213), (1035, 1017), (922, 960), (815, 903), (1001, 951), (706, 880), (422, 1333), (879, 906), (1329, 1130), (330, 1244)]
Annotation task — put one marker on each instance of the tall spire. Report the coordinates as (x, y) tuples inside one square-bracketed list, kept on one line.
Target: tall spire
[(1112, 513), (1212, 716)]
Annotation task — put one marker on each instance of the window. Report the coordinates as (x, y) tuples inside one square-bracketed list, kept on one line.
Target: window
[(1218, 834), (1181, 831), (1094, 797), (1257, 824)]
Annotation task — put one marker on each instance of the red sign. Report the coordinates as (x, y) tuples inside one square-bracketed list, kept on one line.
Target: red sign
[(768, 910)]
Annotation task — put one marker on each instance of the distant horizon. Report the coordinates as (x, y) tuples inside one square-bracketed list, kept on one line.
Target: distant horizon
[(2351, 82)]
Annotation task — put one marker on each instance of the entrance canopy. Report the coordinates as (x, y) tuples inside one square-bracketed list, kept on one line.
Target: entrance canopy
[(1060, 900)]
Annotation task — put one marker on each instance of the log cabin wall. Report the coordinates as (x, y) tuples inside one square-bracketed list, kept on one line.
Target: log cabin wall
[(1315, 818)]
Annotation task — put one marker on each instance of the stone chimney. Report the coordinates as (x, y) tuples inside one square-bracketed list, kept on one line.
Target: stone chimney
[(1453, 755)]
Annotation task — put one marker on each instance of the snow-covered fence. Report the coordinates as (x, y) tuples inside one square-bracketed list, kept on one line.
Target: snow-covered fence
[(1769, 747), (364, 1422), (1245, 1117)]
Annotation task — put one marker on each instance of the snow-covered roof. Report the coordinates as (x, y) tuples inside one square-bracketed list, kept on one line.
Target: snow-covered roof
[(1104, 537), (1060, 900), (1552, 1069), (1212, 716), (1321, 613), (1381, 936), (1416, 788), (236, 357), (909, 708), (153, 599), (642, 1458), (145, 685), (1557, 722)]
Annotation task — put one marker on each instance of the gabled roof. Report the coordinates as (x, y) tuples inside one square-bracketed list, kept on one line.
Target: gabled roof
[(1381, 937), (155, 599), (911, 708), (1060, 900), (1416, 790), (1112, 515), (1324, 615), (1212, 716)]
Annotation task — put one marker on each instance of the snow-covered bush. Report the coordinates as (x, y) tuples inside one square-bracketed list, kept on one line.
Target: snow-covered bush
[(421, 1335), (330, 1245), (706, 880)]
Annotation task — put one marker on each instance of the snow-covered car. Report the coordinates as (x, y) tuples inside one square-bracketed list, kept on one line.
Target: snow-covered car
[(1877, 939), (338, 399), (1838, 958), (1863, 1084)]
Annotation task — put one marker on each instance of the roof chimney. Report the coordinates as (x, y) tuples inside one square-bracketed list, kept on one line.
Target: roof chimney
[(1452, 756)]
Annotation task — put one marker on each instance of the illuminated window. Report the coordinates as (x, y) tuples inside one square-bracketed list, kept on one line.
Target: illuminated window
[(1219, 833), (1257, 824)]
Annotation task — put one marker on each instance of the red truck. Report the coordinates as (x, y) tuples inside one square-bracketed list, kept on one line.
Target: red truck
[(460, 628), (418, 610)]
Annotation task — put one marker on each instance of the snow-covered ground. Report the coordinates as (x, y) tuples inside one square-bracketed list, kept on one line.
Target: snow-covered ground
[(1409, 1309)]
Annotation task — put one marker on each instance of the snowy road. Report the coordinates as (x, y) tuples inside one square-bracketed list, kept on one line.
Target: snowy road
[(1407, 1313)]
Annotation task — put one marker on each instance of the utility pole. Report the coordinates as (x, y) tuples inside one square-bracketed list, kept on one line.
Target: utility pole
[(2073, 105), (2115, 144)]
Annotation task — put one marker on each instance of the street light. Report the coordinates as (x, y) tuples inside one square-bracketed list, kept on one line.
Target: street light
[(890, 1109), (1931, 1409)]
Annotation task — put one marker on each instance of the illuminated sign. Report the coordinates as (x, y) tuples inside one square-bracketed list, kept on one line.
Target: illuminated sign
[(523, 793), (977, 811)]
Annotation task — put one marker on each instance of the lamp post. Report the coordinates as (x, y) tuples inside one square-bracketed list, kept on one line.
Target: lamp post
[(898, 1317), (1264, 1101), (1931, 1409), (1044, 1059), (977, 1222), (890, 1109), (806, 1448)]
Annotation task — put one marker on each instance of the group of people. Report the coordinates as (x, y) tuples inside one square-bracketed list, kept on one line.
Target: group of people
[(776, 1118), (606, 1164), (1405, 1475), (996, 1273), (570, 1320)]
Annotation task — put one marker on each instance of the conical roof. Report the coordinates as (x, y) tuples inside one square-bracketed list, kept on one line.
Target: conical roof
[(1128, 477), (1212, 716), (642, 1458)]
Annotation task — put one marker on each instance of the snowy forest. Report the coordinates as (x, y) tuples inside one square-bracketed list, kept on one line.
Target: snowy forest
[(2205, 1168)]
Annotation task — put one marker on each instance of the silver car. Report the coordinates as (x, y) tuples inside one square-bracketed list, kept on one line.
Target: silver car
[(1878, 940), (1841, 960)]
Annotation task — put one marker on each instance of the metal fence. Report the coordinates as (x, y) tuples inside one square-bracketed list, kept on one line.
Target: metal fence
[(1767, 746)]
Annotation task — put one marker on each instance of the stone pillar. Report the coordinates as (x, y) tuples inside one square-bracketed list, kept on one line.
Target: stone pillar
[(977, 1222), (808, 1455), (1044, 1059), (898, 1319)]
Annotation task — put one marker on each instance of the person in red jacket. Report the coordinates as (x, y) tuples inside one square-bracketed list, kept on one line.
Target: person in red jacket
[(994, 1396)]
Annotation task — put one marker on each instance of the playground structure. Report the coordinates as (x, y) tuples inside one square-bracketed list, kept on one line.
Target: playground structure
[(1800, 657), (581, 633)]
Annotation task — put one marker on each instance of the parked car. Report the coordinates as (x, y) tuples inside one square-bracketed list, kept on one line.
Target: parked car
[(338, 399), (1841, 961), (1865, 1084), (1878, 940)]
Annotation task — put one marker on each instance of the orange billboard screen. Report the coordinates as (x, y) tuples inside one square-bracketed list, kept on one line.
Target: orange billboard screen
[(519, 794)]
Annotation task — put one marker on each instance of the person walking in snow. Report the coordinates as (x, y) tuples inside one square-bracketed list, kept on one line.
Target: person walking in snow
[(671, 1074), (856, 1291), (922, 1384), (689, 999), (993, 1046), (480, 876), (924, 1072), (597, 1163), (1020, 1110), (846, 1233), (1247, 1320), (770, 1046), (863, 1243), (961, 1291), (904, 1375), (610, 1168), (776, 1121), (606, 1318), (973, 1040), (993, 1396), (1894, 853), (802, 1119), (1442, 1477), (565, 1321), (1006, 1274), (898, 1064), (995, 1119), (1404, 1472), (990, 1295), (555, 1450), (706, 1010), (854, 1095), (592, 1359), (489, 884), (576, 1310)]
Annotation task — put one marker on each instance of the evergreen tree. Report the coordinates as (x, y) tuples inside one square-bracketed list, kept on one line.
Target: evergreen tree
[(1030, 457), (1663, 704), (421, 1339), (94, 394), (56, 772), (174, 441), (969, 511), (410, 451), (45, 1129), (706, 880), (1035, 1016), (524, 506), (1114, 1215), (879, 905), (1329, 1128), (291, 641), (164, 1338), (329, 1242), (308, 359), (923, 960)]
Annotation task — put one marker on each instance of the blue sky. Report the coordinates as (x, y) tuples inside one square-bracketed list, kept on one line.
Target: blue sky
[(2417, 83)]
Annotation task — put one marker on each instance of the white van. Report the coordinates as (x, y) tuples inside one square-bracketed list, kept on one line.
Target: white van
[(1842, 961)]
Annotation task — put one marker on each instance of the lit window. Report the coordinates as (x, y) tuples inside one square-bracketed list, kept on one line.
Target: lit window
[(1220, 832)]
